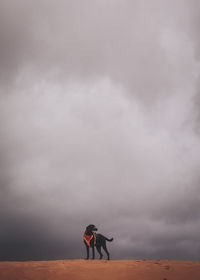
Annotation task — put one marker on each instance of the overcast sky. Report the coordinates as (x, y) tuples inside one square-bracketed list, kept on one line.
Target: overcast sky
[(99, 113)]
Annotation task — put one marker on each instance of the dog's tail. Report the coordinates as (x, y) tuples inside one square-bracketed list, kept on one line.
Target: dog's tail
[(111, 239)]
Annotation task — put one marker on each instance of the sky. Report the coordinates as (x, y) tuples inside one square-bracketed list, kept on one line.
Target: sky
[(99, 124)]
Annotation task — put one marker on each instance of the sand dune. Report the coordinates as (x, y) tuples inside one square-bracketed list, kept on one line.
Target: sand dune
[(96, 269)]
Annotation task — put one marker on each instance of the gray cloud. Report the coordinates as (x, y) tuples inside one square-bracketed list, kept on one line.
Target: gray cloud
[(98, 114)]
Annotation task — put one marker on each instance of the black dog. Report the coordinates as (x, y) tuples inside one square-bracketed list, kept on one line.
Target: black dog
[(91, 239)]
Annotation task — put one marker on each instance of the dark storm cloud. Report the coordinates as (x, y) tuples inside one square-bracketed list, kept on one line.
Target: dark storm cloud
[(71, 38), (98, 120)]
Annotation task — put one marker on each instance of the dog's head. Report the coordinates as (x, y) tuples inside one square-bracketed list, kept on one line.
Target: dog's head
[(90, 229)]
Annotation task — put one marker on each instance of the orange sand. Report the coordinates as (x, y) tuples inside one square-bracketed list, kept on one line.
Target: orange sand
[(96, 269)]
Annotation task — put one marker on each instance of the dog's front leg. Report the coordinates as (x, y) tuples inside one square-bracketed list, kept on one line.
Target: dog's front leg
[(87, 250), (93, 253)]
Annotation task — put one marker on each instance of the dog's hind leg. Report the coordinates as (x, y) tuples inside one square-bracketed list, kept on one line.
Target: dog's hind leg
[(99, 251), (105, 249)]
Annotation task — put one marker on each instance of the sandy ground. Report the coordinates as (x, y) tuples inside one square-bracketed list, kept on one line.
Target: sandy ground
[(96, 269)]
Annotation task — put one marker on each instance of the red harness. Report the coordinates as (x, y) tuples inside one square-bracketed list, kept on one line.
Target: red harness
[(88, 238)]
